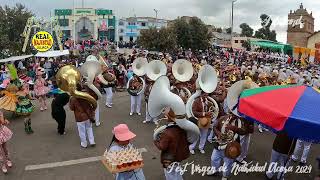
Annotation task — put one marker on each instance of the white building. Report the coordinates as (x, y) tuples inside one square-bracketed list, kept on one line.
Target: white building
[(86, 23), (129, 28)]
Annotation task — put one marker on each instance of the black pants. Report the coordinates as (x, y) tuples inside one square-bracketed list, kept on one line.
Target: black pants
[(61, 120)]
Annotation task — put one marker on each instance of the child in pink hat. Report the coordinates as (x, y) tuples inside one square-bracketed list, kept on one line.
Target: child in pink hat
[(121, 140)]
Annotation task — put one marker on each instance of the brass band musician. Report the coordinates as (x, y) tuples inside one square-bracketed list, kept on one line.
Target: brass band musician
[(227, 128), (149, 84), (173, 144), (200, 108), (219, 95), (135, 86), (180, 89)]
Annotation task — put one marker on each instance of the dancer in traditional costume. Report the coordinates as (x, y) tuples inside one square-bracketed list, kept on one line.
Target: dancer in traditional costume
[(41, 89), (24, 108), (5, 136), (8, 100)]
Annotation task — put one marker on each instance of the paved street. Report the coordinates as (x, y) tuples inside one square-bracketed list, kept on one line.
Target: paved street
[(45, 146)]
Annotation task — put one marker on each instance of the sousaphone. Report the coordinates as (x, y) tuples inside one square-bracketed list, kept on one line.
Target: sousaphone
[(160, 98), (207, 81), (90, 70), (67, 79), (139, 67), (155, 69), (182, 70)]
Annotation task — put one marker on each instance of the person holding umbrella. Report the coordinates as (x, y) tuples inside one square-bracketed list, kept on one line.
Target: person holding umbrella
[(282, 149)]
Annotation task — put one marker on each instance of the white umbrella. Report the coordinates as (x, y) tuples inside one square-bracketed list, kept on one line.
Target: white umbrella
[(52, 53), (15, 58)]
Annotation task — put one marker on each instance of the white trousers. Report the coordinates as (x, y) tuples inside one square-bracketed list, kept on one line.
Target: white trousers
[(245, 142), (203, 139), (84, 129), (136, 103), (171, 173), (305, 147), (109, 95), (278, 160), (213, 123), (148, 117), (216, 157), (97, 114)]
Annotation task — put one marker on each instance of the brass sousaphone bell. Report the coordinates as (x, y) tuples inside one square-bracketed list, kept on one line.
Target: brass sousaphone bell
[(67, 79)]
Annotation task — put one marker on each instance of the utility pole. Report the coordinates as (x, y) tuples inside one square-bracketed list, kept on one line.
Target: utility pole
[(156, 11), (232, 19), (74, 22)]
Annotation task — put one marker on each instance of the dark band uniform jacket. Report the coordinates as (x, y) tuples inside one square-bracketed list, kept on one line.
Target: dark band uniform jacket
[(173, 144), (200, 107)]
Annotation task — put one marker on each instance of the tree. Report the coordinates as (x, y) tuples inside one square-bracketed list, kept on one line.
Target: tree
[(246, 30), (12, 23), (193, 34), (163, 40), (182, 31), (264, 32), (200, 35), (228, 30), (246, 45), (219, 30)]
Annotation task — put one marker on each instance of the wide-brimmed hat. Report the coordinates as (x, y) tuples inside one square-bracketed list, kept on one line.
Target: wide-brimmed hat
[(233, 150), (234, 93), (122, 132)]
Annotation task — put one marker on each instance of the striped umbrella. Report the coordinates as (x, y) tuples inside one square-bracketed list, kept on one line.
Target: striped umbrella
[(294, 109)]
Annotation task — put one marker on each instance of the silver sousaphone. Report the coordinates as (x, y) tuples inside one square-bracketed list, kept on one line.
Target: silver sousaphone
[(182, 70), (207, 81), (90, 70), (160, 98), (155, 69), (139, 67)]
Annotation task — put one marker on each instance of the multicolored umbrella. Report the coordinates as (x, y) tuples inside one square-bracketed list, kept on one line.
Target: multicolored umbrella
[(294, 109)]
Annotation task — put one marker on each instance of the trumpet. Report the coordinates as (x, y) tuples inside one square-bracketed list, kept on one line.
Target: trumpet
[(227, 136), (232, 77), (247, 78)]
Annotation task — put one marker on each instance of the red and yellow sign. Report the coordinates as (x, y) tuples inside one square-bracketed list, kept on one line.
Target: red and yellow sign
[(42, 41)]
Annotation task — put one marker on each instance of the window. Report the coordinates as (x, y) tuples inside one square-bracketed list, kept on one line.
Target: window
[(121, 30), (132, 23), (120, 38), (236, 41), (63, 22), (242, 41), (143, 24), (121, 23)]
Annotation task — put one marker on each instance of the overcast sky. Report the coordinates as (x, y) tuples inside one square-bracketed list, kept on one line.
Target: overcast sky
[(215, 12)]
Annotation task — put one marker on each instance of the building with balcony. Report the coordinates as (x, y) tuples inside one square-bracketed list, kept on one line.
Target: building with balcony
[(87, 23), (129, 28)]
